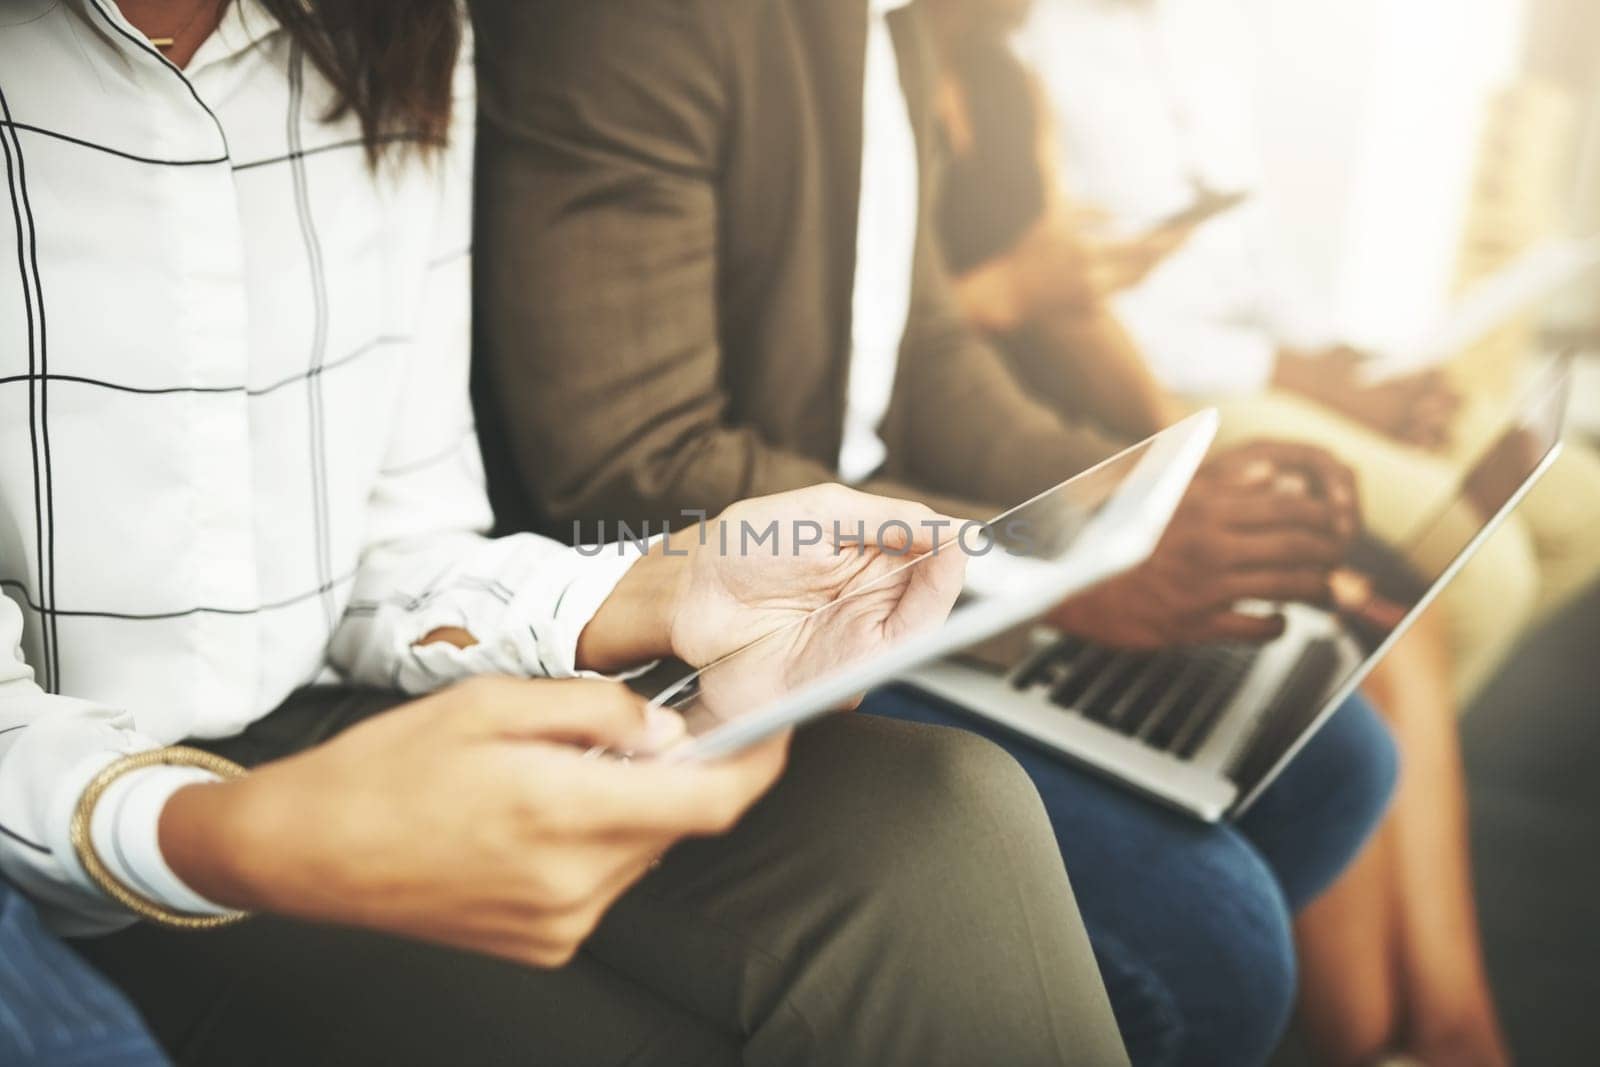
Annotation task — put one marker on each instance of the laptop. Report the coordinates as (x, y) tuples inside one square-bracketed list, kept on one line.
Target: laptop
[(1205, 729)]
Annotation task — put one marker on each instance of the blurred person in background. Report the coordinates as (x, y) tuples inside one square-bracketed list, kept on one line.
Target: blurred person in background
[(1152, 105), (708, 268), (1391, 956)]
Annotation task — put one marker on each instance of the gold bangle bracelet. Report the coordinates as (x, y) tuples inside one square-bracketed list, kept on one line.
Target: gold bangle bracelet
[(83, 844)]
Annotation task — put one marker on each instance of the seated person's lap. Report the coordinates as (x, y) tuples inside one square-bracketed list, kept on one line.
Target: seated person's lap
[(55, 1010), (1190, 922), (758, 947)]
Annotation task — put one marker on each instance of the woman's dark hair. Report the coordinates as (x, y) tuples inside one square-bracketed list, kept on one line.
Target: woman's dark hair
[(391, 62)]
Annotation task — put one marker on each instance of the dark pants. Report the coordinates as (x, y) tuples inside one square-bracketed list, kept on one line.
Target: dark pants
[(1190, 922), (896, 899)]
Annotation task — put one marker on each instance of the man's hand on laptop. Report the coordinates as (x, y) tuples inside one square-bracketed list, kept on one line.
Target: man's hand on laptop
[(1268, 521)]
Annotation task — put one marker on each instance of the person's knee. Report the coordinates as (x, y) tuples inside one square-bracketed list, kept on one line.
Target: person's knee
[(1149, 1009), (1202, 972), (943, 796), (1264, 949), (1318, 815), (1241, 979), (950, 768), (936, 883)]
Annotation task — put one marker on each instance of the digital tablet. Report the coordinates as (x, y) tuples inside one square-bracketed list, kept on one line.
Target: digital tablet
[(1019, 565)]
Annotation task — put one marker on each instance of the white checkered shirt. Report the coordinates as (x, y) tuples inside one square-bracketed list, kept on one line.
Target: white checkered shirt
[(236, 448)]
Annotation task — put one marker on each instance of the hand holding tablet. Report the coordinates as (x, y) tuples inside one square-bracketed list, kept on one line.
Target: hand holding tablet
[(1018, 565)]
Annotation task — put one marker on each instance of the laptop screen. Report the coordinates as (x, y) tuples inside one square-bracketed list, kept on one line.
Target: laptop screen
[(1465, 510), (1383, 592)]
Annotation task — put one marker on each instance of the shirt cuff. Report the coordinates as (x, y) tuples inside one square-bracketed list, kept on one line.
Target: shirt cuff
[(537, 634), (125, 832), (577, 603)]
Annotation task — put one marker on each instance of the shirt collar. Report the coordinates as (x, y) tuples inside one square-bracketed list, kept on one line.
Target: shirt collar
[(245, 24)]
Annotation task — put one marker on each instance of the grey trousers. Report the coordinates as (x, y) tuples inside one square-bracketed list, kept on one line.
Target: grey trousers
[(898, 898)]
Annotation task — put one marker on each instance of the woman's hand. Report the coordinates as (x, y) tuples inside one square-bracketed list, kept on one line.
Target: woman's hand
[(769, 561), (469, 818)]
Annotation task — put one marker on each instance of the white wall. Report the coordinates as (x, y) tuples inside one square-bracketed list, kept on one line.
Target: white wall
[(1369, 117), (1315, 80)]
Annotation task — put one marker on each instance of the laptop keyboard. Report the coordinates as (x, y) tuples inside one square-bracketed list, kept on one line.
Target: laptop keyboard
[(1170, 699), (1297, 700)]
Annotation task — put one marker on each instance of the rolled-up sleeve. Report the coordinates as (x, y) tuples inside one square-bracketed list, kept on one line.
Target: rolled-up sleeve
[(50, 747)]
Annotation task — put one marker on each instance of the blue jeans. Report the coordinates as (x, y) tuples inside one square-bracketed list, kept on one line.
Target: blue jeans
[(54, 1008), (1191, 923)]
